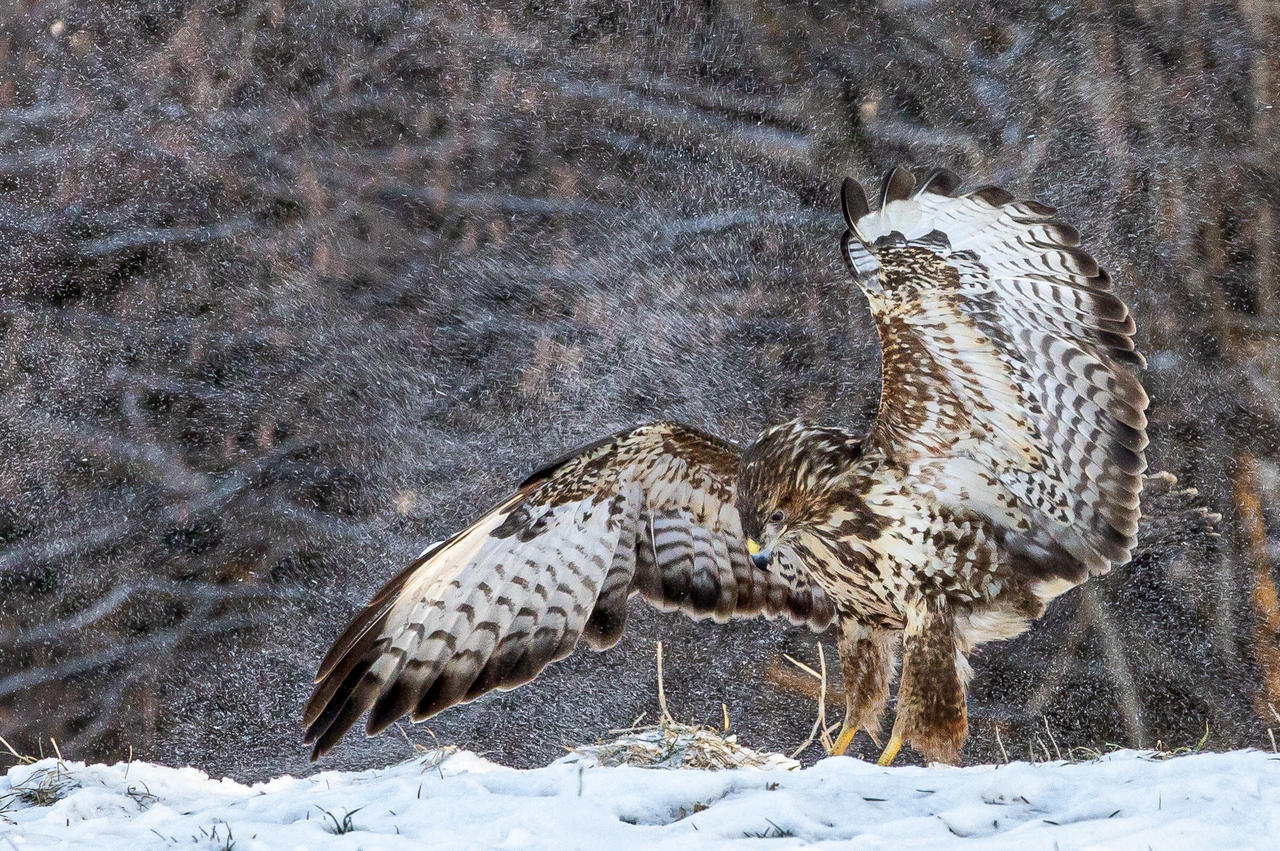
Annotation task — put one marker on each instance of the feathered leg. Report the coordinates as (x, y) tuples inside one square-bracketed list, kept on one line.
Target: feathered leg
[(932, 716), (866, 663)]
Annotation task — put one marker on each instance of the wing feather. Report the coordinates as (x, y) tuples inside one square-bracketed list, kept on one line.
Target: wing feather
[(647, 511), (1006, 386)]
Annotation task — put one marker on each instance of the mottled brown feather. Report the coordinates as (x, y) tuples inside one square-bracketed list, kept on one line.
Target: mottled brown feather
[(493, 606)]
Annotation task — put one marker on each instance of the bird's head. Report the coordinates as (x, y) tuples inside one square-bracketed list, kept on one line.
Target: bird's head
[(785, 481)]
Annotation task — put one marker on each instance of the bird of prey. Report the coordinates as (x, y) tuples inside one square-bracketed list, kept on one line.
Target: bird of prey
[(1003, 468)]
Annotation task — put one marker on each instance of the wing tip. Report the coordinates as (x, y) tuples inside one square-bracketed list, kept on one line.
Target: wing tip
[(853, 203), (996, 196), (940, 181), (898, 185)]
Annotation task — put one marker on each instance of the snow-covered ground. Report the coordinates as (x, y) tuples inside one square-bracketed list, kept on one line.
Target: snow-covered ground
[(1125, 800)]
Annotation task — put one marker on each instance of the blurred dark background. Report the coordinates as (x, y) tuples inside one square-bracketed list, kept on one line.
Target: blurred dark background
[(290, 289)]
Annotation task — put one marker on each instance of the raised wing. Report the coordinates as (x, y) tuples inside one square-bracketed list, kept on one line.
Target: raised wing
[(1005, 382), (649, 510)]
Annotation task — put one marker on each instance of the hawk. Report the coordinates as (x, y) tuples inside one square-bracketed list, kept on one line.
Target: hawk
[(1003, 468)]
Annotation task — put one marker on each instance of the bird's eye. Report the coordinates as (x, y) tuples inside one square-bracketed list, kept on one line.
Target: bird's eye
[(777, 517)]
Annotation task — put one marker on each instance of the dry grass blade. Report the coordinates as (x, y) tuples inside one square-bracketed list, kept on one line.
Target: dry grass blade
[(1003, 753), (673, 745), (1052, 740), (662, 693), (19, 759), (802, 666), (820, 722), (670, 744), (40, 787)]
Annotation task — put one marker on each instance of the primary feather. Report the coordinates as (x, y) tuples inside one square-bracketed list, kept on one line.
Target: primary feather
[(650, 510), (1005, 379)]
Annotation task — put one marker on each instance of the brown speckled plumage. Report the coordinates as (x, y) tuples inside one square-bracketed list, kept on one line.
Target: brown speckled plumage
[(1004, 468)]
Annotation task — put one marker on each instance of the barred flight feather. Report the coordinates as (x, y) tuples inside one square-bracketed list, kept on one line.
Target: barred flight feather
[(650, 510), (1003, 344)]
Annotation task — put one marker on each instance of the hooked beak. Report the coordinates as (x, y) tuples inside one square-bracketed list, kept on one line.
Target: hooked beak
[(759, 557)]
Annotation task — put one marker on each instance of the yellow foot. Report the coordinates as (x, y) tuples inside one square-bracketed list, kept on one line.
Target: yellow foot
[(842, 741), (846, 738), (890, 751)]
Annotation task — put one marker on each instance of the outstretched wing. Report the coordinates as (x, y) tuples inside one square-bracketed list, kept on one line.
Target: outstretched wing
[(649, 510), (1006, 387)]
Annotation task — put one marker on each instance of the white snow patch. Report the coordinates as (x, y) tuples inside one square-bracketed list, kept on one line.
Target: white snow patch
[(459, 800)]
